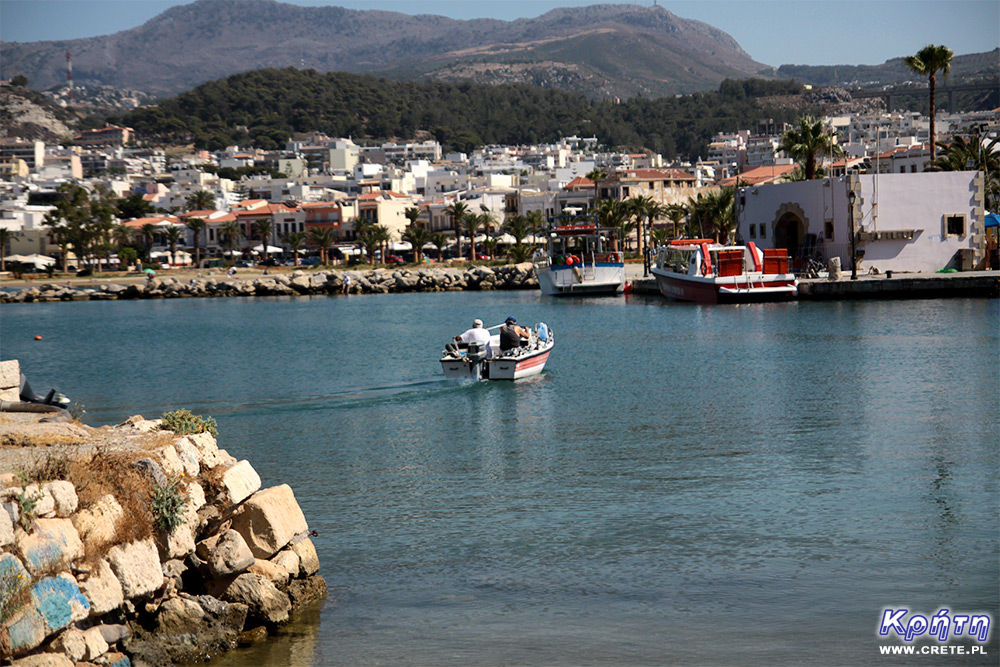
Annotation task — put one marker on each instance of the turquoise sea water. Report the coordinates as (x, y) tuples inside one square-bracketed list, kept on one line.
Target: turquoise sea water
[(683, 485)]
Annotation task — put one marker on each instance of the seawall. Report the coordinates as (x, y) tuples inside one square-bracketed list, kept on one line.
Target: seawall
[(141, 543)]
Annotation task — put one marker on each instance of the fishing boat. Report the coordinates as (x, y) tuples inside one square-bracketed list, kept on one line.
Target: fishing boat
[(575, 260), (704, 271), (486, 362)]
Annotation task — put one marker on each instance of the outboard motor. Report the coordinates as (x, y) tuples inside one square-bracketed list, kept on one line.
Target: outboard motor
[(52, 398), (476, 352)]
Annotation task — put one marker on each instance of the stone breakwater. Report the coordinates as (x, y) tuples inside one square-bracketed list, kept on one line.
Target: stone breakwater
[(377, 281), (75, 590)]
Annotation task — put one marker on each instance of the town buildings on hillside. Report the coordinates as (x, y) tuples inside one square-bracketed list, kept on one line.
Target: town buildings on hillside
[(337, 185)]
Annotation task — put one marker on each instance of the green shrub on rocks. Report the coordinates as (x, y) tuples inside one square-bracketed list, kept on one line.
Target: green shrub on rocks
[(168, 506), (182, 422)]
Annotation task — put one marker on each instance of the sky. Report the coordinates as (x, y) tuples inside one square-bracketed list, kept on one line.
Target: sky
[(773, 32)]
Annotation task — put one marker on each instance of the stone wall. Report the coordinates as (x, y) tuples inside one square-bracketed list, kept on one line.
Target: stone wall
[(378, 281), (237, 564)]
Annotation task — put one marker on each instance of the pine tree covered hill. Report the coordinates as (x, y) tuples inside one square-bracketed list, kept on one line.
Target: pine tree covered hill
[(264, 108)]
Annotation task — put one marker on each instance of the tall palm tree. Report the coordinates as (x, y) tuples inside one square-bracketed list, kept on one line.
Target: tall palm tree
[(808, 140), (517, 226), (322, 237), (263, 230), (537, 225), (457, 211), (197, 225), (676, 213), (202, 200), (928, 61), (231, 233), (295, 241), (412, 213), (614, 214), (417, 237), (472, 224), (440, 241), (596, 175), (174, 235), (148, 232), (5, 237)]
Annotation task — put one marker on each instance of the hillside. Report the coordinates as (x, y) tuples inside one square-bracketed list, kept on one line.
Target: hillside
[(972, 66), (30, 115), (601, 51)]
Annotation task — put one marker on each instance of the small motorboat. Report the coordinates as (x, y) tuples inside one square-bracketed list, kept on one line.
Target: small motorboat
[(575, 261), (486, 362), (28, 395)]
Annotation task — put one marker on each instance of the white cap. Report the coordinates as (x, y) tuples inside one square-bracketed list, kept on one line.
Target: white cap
[(477, 323)]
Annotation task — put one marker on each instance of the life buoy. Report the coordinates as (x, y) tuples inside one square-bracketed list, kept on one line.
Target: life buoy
[(612, 257), (704, 268)]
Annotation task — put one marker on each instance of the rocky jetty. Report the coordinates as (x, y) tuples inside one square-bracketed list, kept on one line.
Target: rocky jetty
[(377, 281), (150, 548)]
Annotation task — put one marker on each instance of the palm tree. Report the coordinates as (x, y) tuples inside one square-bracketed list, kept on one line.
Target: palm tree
[(384, 236), (202, 200), (322, 237), (808, 140), (596, 175), (148, 232), (962, 154), (231, 233), (174, 235), (472, 224), (370, 240), (263, 229), (412, 213), (295, 241), (417, 237), (537, 226), (197, 225), (440, 241), (5, 236), (676, 213), (928, 62), (517, 226), (489, 245), (519, 253), (457, 210), (614, 214)]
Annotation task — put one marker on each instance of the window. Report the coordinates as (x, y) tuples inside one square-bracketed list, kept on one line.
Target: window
[(753, 231), (763, 230), (828, 230), (954, 225)]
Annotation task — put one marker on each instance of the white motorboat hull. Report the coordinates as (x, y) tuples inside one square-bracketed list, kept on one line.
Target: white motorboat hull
[(576, 280)]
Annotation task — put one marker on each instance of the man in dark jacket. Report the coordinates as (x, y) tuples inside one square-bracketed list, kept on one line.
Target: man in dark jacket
[(512, 336)]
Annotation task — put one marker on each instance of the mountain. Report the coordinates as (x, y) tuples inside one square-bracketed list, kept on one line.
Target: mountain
[(974, 66), (601, 51)]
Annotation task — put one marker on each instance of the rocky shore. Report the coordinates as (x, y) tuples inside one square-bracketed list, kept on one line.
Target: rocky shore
[(377, 281), (134, 544)]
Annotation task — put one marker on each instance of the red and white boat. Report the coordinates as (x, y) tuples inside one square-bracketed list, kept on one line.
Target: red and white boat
[(704, 271), (488, 363)]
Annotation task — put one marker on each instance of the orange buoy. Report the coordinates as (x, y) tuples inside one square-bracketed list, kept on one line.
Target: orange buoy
[(38, 337)]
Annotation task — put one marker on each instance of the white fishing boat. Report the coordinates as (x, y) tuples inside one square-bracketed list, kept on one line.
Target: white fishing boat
[(704, 271), (575, 260), (487, 362)]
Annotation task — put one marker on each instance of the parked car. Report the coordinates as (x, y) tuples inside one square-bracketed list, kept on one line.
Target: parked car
[(270, 261), (394, 259)]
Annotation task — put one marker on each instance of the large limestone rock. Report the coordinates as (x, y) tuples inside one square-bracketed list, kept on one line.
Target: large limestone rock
[(137, 567), (6, 529), (265, 601), (43, 660), (230, 555), (52, 544), (102, 588), (189, 456), (98, 524), (269, 519), (10, 381), (239, 482), (180, 542), (63, 495), (308, 559)]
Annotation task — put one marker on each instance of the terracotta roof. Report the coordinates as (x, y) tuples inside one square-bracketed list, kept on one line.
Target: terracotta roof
[(759, 175), (160, 221), (249, 204), (579, 182), (197, 214)]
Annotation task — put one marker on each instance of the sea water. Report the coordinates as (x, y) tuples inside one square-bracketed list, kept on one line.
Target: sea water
[(682, 485)]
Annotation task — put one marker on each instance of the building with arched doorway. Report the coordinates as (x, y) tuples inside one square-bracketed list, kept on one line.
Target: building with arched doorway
[(902, 222)]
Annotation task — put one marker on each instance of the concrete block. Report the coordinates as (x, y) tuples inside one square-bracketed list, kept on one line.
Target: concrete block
[(10, 374)]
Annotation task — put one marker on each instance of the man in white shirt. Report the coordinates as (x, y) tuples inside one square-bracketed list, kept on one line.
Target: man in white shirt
[(477, 334)]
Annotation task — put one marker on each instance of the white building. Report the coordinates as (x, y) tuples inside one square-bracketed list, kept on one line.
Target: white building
[(904, 222)]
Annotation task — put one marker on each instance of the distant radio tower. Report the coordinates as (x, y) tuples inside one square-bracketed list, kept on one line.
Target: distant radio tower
[(69, 75)]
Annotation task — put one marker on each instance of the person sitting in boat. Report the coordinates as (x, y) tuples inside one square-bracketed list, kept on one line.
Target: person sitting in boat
[(477, 334), (512, 336)]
